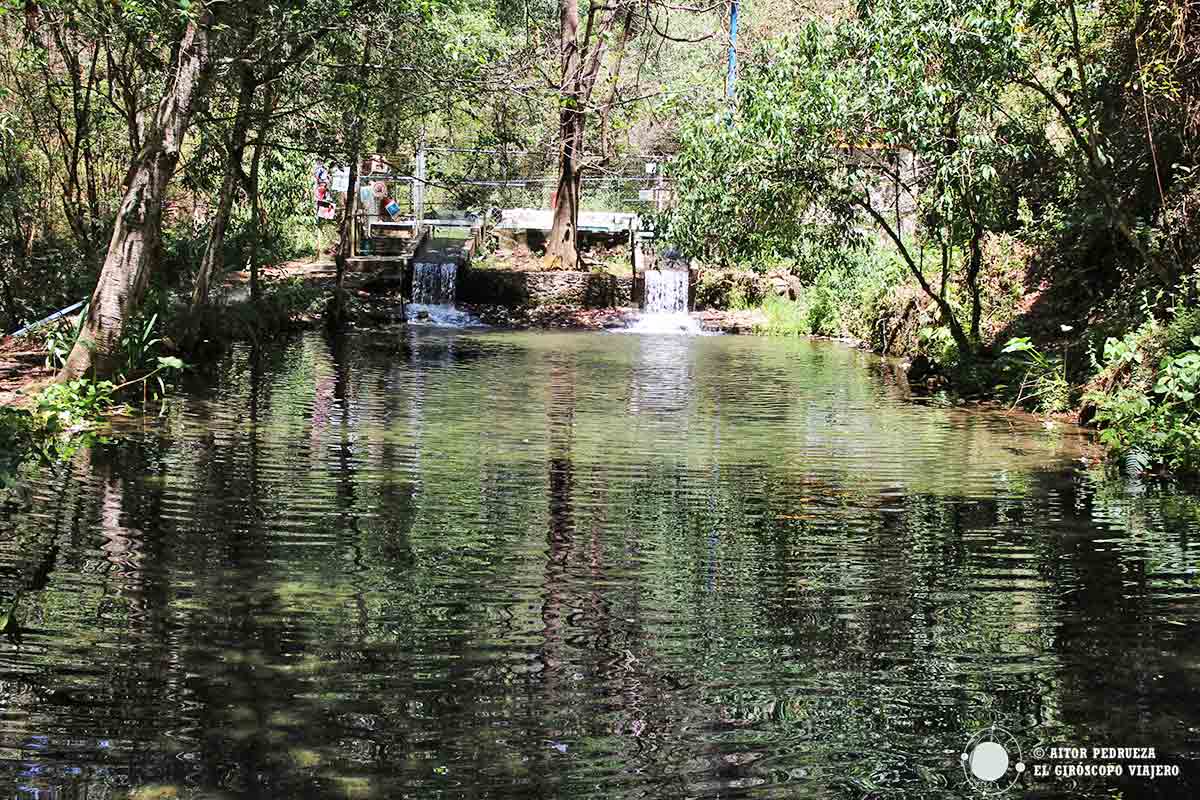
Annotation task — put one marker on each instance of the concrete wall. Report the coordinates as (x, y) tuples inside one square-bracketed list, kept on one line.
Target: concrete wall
[(514, 288)]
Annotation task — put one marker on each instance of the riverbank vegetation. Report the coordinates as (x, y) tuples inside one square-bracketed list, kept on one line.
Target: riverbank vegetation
[(1004, 189), (155, 147), (1002, 192)]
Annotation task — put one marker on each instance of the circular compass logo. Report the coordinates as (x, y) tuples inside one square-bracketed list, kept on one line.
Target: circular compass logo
[(992, 760)]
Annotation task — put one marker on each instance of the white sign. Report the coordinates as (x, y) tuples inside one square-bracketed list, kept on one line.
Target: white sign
[(341, 180), (651, 167), (646, 194)]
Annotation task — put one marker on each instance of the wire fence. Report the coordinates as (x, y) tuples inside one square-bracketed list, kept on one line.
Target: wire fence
[(478, 179)]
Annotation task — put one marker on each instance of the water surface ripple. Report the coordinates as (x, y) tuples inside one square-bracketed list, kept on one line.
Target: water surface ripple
[(500, 565)]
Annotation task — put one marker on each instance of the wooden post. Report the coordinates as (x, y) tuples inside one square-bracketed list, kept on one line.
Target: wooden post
[(633, 247), (352, 204), (634, 253)]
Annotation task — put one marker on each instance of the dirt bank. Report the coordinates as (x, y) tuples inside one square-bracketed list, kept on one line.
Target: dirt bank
[(22, 370)]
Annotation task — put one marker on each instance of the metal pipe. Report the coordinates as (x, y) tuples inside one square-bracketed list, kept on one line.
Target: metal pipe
[(731, 76), (51, 318)]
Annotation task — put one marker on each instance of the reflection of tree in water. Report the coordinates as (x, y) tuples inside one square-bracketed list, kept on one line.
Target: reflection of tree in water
[(681, 624), (249, 701), (560, 423)]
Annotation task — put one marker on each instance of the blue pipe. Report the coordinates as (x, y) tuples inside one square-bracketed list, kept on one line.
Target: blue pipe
[(51, 318), (732, 76)]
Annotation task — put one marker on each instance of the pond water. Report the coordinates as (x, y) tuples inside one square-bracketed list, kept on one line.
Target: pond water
[(531, 565)]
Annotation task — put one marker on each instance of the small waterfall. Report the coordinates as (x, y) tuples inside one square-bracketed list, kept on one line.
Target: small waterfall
[(434, 290), (435, 284), (665, 304), (666, 291)]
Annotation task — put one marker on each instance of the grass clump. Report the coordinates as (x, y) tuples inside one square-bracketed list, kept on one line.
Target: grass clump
[(783, 317)]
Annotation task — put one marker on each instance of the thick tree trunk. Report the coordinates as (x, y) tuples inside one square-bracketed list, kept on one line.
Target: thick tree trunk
[(580, 69), (138, 227), (562, 246), (214, 254)]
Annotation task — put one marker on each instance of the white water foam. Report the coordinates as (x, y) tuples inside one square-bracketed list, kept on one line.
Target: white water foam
[(666, 305), (440, 315), (677, 323), (666, 291)]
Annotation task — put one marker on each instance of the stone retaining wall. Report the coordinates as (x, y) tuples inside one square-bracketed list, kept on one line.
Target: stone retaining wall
[(515, 288)]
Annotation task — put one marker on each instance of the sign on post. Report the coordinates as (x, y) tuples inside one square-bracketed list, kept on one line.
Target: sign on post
[(341, 180)]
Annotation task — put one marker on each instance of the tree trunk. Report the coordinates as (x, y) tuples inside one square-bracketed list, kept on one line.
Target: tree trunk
[(256, 212), (354, 124), (138, 227), (345, 238), (214, 254), (580, 69), (974, 267), (563, 244), (965, 345)]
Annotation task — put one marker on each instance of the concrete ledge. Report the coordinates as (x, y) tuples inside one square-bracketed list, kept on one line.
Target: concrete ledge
[(517, 288)]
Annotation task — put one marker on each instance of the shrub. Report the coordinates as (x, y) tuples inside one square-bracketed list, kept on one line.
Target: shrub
[(1043, 378), (1179, 334), (728, 289), (60, 336), (783, 318), (1156, 427), (64, 406)]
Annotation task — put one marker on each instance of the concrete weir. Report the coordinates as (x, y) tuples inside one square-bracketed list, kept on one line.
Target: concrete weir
[(429, 261), (433, 281)]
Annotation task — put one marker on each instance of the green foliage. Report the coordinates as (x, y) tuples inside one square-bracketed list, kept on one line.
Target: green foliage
[(1179, 335), (729, 288), (937, 343), (60, 336), (287, 300), (1179, 377), (80, 403), (282, 303), (1123, 352), (854, 291), (57, 427), (784, 318), (820, 311), (847, 292), (139, 346), (1157, 427), (1043, 377)]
